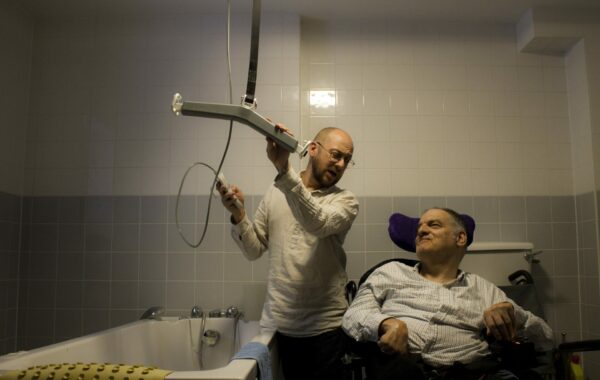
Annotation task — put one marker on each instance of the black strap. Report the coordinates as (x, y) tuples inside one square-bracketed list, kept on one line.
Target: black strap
[(249, 99)]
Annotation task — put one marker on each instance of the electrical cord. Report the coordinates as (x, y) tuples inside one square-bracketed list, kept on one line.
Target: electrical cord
[(218, 170)]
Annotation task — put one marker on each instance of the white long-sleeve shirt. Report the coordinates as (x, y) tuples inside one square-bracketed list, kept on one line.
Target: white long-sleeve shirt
[(444, 321), (303, 231)]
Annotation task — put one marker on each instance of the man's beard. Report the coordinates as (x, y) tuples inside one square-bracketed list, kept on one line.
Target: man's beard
[(319, 176)]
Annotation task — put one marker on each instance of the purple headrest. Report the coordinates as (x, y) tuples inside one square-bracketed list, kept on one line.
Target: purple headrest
[(403, 230)]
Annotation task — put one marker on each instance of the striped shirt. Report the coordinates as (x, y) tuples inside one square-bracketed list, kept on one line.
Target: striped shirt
[(304, 232), (444, 321)]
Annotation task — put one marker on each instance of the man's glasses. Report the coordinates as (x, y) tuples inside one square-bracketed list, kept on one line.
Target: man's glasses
[(336, 156)]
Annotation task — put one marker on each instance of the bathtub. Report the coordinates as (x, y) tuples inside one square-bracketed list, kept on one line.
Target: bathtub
[(169, 343)]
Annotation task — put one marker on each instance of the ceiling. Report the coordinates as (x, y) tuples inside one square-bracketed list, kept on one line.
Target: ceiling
[(443, 10)]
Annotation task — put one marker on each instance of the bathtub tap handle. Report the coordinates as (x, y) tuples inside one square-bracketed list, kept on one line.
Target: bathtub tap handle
[(232, 312), (197, 312), (216, 313), (153, 312)]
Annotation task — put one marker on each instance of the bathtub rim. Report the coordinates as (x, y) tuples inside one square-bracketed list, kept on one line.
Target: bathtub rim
[(234, 370)]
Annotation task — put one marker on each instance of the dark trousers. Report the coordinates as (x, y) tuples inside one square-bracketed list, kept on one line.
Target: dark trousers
[(315, 357), (381, 366)]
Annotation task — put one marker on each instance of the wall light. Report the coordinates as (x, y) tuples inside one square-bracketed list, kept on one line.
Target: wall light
[(322, 99)]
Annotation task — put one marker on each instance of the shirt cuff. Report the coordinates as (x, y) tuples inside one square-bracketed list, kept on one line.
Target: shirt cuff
[(237, 230), (371, 326)]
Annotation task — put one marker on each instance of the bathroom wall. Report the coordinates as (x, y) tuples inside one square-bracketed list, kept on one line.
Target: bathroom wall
[(441, 114), (16, 34), (452, 115), (100, 243)]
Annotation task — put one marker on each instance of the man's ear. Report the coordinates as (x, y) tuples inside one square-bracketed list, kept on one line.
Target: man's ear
[(312, 149), (461, 239)]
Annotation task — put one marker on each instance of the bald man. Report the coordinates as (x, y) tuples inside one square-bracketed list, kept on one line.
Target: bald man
[(302, 221)]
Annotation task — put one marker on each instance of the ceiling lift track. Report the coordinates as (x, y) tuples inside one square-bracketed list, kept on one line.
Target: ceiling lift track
[(244, 113)]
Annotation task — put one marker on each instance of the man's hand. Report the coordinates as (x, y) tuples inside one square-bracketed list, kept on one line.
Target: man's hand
[(499, 320), (278, 155), (228, 197), (393, 336)]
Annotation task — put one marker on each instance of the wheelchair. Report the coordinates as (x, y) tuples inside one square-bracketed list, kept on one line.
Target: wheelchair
[(551, 365)]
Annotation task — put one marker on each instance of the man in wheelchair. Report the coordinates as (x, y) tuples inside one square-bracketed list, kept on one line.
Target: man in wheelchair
[(434, 321)]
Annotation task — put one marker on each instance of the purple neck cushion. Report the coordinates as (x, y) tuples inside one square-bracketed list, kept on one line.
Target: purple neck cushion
[(403, 230)]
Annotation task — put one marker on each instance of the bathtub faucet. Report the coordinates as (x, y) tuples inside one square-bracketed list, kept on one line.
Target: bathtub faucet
[(153, 312), (197, 312), (230, 312)]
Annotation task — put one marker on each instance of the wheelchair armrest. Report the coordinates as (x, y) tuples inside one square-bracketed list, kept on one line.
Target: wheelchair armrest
[(580, 346), (350, 291)]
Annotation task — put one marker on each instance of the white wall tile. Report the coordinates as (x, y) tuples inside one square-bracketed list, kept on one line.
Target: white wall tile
[(430, 129), (505, 78), (481, 103), (379, 155), (457, 182), (530, 78), (430, 102), (431, 155), (405, 182), (101, 154), (404, 155), (556, 104), (403, 102), (480, 78), (432, 182), (349, 102), (456, 129), (555, 79), (127, 181), (506, 103), (456, 103), (377, 102), (100, 181), (531, 104), (375, 77), (377, 183), (376, 128), (403, 128), (483, 155), (509, 182), (457, 155)]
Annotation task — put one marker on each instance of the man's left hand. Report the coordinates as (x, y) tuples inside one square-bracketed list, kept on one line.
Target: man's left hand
[(499, 320), (278, 155)]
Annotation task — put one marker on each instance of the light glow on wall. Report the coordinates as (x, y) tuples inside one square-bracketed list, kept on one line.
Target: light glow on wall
[(322, 99)]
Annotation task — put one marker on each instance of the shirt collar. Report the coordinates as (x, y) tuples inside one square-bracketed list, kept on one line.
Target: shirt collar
[(459, 278), (323, 190)]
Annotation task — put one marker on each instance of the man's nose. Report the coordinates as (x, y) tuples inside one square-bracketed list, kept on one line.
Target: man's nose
[(340, 164)]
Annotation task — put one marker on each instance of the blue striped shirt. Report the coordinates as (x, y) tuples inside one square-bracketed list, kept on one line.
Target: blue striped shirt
[(444, 321)]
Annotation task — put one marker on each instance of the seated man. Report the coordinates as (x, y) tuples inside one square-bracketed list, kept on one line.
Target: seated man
[(429, 318)]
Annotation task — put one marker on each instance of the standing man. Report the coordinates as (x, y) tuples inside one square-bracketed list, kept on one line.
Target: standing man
[(302, 221)]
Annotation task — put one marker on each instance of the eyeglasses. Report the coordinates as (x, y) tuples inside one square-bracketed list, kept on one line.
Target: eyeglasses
[(336, 156)]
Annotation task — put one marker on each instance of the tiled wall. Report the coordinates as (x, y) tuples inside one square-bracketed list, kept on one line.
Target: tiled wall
[(440, 109), (445, 114), (10, 214), (590, 279), (100, 114), (94, 262), (16, 35)]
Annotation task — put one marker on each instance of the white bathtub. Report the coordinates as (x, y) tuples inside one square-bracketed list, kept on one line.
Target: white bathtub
[(170, 344)]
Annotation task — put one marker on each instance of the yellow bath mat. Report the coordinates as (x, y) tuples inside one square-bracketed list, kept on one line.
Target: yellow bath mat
[(90, 371)]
